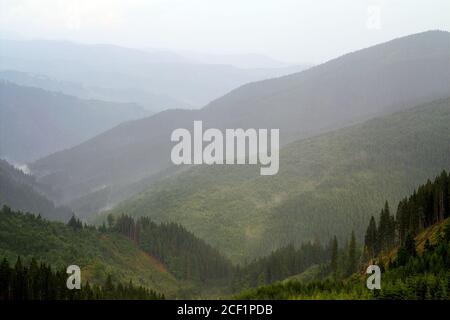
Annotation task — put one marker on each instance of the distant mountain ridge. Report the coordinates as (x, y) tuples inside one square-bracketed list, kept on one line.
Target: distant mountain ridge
[(150, 102), (246, 61), (131, 75), (35, 123), (375, 81), (21, 192)]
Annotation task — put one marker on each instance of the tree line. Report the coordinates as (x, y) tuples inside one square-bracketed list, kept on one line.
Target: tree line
[(409, 273), (428, 205), (190, 258), (38, 281), (185, 255)]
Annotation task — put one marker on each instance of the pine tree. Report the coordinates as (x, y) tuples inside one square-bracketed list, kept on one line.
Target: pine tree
[(108, 288), (40, 282), (18, 281), (5, 279), (352, 258), (410, 245), (371, 238), (110, 219), (75, 223), (334, 256)]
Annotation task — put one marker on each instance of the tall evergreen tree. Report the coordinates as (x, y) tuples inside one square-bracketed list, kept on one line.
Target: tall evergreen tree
[(352, 259), (75, 223), (371, 237), (334, 256), (5, 279)]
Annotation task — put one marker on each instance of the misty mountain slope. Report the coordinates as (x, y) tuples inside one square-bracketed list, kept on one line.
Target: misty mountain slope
[(130, 71), (125, 154), (327, 185), (374, 81), (150, 102), (21, 192), (379, 79), (35, 123)]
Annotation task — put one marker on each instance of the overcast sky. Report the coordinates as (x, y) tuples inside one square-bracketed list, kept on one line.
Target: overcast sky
[(287, 30)]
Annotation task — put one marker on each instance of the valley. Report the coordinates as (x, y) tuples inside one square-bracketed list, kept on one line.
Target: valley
[(350, 89), (327, 185), (294, 179)]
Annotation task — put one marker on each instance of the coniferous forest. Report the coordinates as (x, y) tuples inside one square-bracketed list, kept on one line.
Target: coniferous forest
[(39, 281), (148, 151), (186, 256), (174, 251), (411, 247)]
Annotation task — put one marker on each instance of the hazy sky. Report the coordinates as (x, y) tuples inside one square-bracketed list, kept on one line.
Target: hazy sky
[(288, 30)]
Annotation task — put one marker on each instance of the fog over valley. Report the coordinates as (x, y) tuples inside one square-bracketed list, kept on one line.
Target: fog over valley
[(259, 149)]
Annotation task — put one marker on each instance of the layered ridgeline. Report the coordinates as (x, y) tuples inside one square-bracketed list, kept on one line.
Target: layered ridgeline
[(327, 185), (156, 79), (410, 245), (378, 80), (21, 192), (150, 102), (35, 123)]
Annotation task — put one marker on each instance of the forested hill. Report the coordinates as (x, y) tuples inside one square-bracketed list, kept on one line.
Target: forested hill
[(39, 281), (184, 255), (427, 206), (327, 185), (190, 258), (410, 245), (161, 257), (98, 254)]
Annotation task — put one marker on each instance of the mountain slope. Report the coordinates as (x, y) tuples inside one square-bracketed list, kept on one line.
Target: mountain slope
[(21, 192), (98, 254), (411, 247), (378, 80), (327, 185), (35, 123), (150, 102)]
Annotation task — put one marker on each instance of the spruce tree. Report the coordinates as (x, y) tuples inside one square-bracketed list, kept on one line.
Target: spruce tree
[(410, 245), (334, 256), (352, 257), (371, 239), (5, 279)]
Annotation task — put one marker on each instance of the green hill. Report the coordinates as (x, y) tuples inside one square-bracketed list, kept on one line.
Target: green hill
[(425, 275), (329, 184), (98, 254), (411, 248)]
